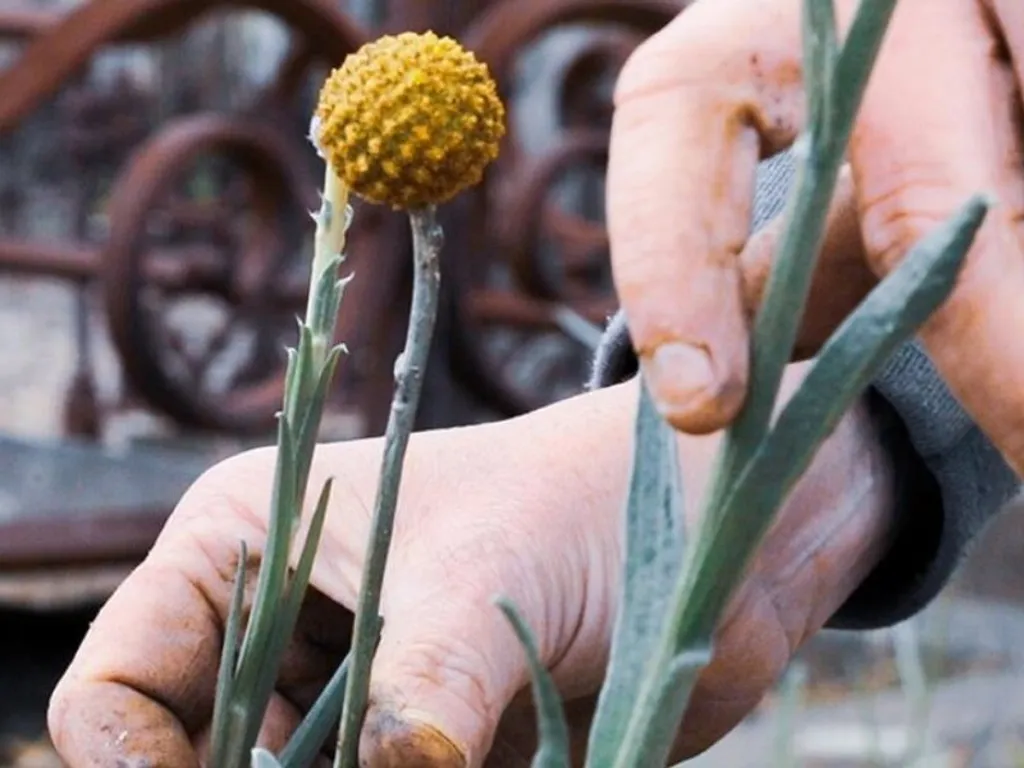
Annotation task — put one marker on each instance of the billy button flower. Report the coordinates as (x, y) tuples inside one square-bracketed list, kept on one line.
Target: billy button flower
[(409, 120)]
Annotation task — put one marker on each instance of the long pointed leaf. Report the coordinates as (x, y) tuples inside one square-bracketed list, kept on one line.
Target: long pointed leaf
[(270, 583), (281, 632), (654, 725), (302, 748), (553, 732), (654, 557), (856, 62), (821, 52), (885, 319), (298, 374), (228, 659), (309, 421), (327, 296), (820, 156), (304, 568)]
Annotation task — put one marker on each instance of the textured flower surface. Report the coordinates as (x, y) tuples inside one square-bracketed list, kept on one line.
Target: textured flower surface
[(410, 120)]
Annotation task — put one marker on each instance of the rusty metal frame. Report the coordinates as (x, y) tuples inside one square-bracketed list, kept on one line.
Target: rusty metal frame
[(498, 223), (101, 537)]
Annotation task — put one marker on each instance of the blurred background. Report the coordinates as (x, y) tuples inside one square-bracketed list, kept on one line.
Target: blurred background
[(154, 184)]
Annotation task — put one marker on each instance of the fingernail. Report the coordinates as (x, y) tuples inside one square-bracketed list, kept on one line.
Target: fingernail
[(390, 739), (682, 381)]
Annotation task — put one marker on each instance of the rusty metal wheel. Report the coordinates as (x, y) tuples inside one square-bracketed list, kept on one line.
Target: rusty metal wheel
[(533, 315), (528, 315), (200, 273)]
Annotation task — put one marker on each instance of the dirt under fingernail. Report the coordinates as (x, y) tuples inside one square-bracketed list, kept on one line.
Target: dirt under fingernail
[(391, 740)]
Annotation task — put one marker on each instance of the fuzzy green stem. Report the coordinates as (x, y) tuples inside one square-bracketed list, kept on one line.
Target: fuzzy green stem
[(332, 222), (245, 687), (409, 372)]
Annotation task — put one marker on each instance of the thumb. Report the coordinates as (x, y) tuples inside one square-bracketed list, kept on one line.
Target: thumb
[(696, 106), (448, 664)]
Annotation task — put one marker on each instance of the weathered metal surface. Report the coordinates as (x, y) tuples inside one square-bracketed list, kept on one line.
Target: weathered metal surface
[(527, 255), (247, 266), (549, 253), (75, 503)]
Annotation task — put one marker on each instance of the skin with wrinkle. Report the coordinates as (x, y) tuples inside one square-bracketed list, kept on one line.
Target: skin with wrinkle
[(449, 669)]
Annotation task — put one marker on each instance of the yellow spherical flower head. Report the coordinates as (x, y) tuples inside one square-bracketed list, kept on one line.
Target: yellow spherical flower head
[(409, 120)]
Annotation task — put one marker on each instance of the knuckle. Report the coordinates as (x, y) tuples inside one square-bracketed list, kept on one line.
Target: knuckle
[(455, 665), (236, 487), (895, 219), (757, 640)]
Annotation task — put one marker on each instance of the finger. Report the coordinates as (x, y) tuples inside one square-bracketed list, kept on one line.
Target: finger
[(146, 669), (937, 126), (696, 106), (448, 665), (98, 716), (841, 279), (1009, 16)]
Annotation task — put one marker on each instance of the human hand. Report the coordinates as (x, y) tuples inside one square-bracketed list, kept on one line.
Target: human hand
[(530, 508), (721, 86)]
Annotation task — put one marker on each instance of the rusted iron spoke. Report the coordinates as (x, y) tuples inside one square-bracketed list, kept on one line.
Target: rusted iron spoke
[(488, 306)]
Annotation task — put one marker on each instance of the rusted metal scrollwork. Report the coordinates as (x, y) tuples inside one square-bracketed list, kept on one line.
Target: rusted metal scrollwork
[(519, 332), (164, 247), (526, 268)]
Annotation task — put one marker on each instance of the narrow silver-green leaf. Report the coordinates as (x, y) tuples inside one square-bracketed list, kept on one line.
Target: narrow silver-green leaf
[(853, 355), (654, 725), (865, 340), (655, 544), (821, 52), (309, 424), (819, 158), (271, 580), (327, 297), (287, 610), (298, 378), (552, 729), (304, 568), (225, 694), (856, 62), (886, 318), (304, 745)]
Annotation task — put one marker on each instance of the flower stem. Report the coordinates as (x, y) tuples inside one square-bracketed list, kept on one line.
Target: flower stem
[(409, 371)]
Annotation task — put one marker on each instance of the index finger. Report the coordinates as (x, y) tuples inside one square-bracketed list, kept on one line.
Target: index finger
[(916, 160), (141, 687), (697, 106)]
